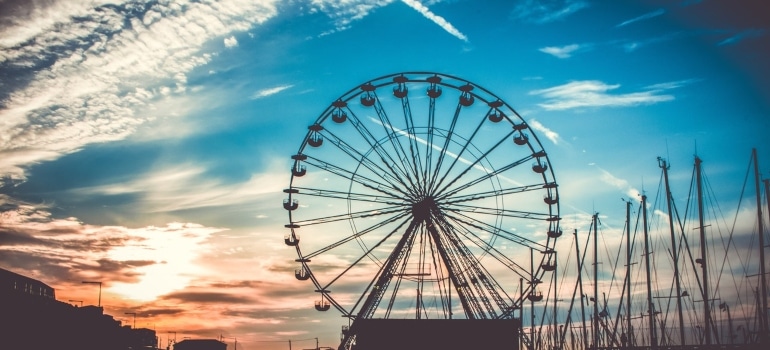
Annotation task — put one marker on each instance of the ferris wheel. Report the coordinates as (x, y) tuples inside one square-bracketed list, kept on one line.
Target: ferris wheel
[(420, 195)]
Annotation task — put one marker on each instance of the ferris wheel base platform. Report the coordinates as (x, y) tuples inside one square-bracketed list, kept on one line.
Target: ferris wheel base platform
[(413, 334)]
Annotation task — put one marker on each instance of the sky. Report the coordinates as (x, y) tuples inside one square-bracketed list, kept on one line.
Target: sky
[(146, 144)]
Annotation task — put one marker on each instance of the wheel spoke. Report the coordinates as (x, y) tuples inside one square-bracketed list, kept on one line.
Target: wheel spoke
[(473, 164), (489, 248), (361, 197), (350, 216), (395, 141), (459, 155), (353, 153), (498, 232), (442, 154), (497, 212), (356, 235), (418, 208), (490, 194), (360, 179), (384, 156)]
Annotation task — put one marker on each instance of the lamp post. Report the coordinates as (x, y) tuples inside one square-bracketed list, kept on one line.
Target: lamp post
[(132, 313), (100, 289), (77, 301)]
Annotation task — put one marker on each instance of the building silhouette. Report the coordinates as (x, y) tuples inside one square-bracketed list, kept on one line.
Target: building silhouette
[(200, 344), (33, 319)]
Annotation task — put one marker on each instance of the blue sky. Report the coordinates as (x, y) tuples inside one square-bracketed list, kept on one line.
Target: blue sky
[(146, 144)]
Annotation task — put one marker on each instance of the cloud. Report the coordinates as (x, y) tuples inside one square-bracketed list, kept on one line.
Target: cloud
[(643, 17), (549, 134), (440, 21), (560, 52), (620, 184), (754, 33), (138, 263), (231, 42), (168, 189), (593, 93), (97, 76), (208, 297), (633, 45), (541, 12), (270, 91), (344, 13)]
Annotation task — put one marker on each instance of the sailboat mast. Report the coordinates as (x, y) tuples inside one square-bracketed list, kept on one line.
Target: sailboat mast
[(647, 253), (763, 282), (703, 260), (629, 329), (580, 285), (595, 316), (674, 250)]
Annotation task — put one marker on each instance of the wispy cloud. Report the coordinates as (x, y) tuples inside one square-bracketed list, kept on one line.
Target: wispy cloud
[(130, 259), (550, 134), (594, 93), (541, 12), (620, 184), (231, 42), (643, 17), (95, 78), (440, 21), (167, 189), (270, 91), (344, 13), (633, 45), (746, 34), (560, 52)]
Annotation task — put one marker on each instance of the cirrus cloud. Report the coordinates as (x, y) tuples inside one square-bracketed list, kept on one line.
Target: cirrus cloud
[(594, 93)]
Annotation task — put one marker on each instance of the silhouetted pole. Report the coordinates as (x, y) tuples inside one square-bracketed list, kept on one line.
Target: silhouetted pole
[(628, 275), (674, 250), (647, 253), (760, 229), (595, 316), (705, 292), (531, 300), (132, 313), (580, 285), (100, 290)]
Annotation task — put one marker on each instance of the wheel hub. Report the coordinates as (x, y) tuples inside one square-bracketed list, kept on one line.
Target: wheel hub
[(422, 209)]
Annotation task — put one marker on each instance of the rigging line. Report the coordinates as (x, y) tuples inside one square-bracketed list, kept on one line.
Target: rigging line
[(725, 261), (664, 193), (609, 256), (732, 230), (714, 205), (564, 271)]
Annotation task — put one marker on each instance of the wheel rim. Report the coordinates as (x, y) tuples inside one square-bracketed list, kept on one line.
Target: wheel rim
[(422, 195)]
